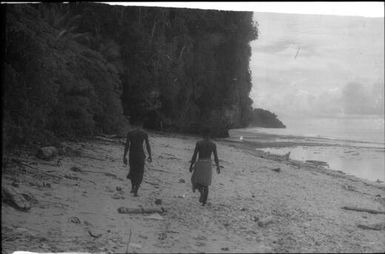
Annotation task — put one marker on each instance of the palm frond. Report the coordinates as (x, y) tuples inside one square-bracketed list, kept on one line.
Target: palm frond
[(61, 34)]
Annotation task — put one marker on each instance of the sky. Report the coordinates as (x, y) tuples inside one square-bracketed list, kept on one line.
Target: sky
[(318, 65)]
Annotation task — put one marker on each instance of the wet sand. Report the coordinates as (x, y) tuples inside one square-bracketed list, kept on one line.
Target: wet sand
[(301, 203)]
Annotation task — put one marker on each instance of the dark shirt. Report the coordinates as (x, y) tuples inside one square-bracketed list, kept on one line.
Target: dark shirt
[(135, 141), (205, 148)]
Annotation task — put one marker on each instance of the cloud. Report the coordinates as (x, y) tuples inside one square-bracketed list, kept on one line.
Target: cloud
[(286, 45), (334, 73), (358, 99), (352, 99)]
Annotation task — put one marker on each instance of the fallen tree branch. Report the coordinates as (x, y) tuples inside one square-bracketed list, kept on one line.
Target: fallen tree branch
[(109, 140), (92, 182), (29, 166), (98, 172), (93, 235), (362, 210), (11, 158)]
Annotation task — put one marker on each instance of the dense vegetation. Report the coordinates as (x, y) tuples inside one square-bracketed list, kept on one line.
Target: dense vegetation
[(79, 69), (266, 119), (52, 84)]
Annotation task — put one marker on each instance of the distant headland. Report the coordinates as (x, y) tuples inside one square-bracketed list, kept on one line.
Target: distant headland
[(266, 119)]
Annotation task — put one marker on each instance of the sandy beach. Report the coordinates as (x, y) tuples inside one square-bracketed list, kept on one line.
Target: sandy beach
[(258, 203)]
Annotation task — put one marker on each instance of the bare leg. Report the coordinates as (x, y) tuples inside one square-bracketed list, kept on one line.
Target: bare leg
[(136, 187), (201, 191), (205, 194), (132, 187)]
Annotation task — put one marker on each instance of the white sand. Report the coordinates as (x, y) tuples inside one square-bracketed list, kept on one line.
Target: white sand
[(303, 203)]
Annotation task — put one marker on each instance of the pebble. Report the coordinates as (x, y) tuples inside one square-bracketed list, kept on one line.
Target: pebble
[(136, 245), (75, 169), (87, 223), (162, 236), (249, 238), (47, 153), (117, 196), (265, 221), (276, 169), (158, 201), (74, 220), (47, 185), (201, 237)]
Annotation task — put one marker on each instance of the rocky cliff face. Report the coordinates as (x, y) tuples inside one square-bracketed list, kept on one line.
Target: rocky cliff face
[(79, 69)]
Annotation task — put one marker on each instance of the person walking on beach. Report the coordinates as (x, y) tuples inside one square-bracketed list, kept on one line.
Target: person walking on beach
[(134, 143), (202, 172)]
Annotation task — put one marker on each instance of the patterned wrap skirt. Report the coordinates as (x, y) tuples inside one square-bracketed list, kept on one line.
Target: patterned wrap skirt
[(136, 170), (202, 173)]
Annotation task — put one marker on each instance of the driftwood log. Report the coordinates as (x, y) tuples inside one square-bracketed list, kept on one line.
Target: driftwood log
[(376, 226), (14, 198), (357, 209), (110, 140), (157, 169), (317, 163), (140, 210), (36, 170)]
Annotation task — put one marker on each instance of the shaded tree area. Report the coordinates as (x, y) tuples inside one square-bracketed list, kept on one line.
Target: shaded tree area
[(266, 119), (80, 69), (53, 85)]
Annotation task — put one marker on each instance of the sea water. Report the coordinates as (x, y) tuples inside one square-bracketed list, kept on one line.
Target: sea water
[(353, 145)]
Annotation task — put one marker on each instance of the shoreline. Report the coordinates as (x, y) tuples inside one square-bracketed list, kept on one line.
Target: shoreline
[(311, 140), (302, 206), (250, 148), (304, 148)]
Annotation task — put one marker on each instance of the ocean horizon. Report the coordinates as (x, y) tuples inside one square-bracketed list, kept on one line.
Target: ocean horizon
[(356, 128)]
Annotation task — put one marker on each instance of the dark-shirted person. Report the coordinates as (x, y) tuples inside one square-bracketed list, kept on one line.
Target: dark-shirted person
[(134, 143), (202, 172)]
